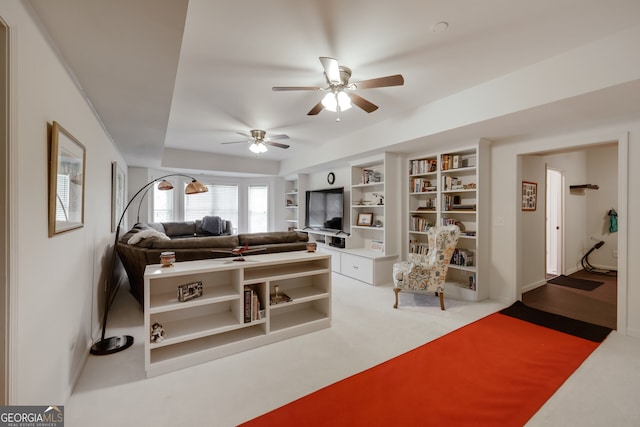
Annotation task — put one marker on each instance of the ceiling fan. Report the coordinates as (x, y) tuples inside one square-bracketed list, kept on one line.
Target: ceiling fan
[(258, 141), (340, 94)]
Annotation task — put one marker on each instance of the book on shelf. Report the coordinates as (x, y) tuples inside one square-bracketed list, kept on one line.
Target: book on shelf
[(463, 207), (418, 247), (450, 201), (451, 183), (420, 166), (370, 176), (451, 221), (418, 223), (472, 282), (253, 307), (462, 257)]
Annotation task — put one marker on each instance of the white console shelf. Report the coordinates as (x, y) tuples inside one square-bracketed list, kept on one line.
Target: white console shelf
[(214, 325)]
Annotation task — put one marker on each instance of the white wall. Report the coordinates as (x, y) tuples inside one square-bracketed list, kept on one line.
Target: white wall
[(56, 280)]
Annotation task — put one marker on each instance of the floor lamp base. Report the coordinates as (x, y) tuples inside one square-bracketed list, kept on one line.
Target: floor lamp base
[(111, 345)]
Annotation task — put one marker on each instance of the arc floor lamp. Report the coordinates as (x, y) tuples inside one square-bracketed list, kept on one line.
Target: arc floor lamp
[(115, 344)]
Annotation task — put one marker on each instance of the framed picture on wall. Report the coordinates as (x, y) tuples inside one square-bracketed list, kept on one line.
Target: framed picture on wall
[(66, 181), (117, 194), (529, 195)]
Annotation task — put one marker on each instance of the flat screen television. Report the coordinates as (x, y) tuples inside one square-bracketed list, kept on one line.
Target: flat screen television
[(325, 209)]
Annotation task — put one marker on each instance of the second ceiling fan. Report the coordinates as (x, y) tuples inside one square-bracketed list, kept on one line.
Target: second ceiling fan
[(259, 142), (340, 92)]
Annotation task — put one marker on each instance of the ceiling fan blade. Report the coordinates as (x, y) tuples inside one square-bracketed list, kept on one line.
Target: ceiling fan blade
[(331, 69), (276, 144), (316, 109), (245, 134), (281, 136), (395, 80), (234, 142), (363, 103), (283, 88)]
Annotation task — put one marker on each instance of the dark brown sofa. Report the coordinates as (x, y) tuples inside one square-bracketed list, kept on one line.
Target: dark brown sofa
[(190, 242)]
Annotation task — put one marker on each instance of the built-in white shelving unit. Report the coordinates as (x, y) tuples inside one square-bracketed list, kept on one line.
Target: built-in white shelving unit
[(373, 244), (294, 194), (224, 320), (449, 187)]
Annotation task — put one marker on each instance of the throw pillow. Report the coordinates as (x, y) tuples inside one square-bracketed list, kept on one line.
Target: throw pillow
[(213, 225), (147, 234)]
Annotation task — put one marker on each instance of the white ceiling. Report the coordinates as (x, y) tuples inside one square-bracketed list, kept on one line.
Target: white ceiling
[(189, 75)]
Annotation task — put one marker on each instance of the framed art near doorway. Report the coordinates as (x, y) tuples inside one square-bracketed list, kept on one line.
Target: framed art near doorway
[(529, 196)]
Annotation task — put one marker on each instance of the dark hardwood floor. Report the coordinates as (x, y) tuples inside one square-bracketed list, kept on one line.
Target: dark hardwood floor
[(597, 306)]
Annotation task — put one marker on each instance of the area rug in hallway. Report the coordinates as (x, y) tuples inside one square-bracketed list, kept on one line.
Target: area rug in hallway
[(575, 282), (498, 370)]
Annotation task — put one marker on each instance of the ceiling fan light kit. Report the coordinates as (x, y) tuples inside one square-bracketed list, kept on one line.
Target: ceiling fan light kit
[(258, 141), (258, 148), (332, 101), (338, 87)]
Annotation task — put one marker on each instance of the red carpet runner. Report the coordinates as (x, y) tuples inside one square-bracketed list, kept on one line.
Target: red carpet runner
[(497, 371)]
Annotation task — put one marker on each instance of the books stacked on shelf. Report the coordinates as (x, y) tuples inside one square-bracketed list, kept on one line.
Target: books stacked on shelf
[(468, 233), (451, 221), (253, 307), (422, 166), (451, 183), (429, 205), (420, 185), (371, 176), (462, 257), (418, 223), (418, 247), (463, 207), (449, 201), (472, 282)]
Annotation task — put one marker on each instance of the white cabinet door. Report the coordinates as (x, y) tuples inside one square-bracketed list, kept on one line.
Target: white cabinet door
[(359, 268)]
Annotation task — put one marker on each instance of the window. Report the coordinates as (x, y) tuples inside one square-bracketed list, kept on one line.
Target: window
[(162, 205), (221, 200), (258, 207)]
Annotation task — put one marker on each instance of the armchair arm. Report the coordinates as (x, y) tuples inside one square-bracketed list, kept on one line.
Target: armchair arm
[(400, 271)]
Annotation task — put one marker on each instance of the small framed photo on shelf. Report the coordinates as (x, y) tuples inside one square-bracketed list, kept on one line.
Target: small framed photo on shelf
[(189, 291), (365, 219), (529, 195)]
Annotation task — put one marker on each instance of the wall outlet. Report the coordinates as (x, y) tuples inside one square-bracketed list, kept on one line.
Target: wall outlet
[(614, 253)]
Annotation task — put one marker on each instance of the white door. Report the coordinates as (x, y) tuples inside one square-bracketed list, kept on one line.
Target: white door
[(554, 226)]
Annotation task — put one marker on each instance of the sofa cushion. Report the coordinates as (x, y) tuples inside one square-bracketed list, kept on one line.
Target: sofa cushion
[(257, 239), (174, 229), (190, 242)]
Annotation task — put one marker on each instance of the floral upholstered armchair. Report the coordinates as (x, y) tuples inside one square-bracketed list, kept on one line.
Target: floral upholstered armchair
[(427, 272)]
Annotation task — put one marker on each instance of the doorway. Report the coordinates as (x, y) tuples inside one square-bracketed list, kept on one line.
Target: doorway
[(573, 219), (554, 222)]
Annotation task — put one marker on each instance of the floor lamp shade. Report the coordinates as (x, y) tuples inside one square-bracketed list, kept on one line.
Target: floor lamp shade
[(115, 344)]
